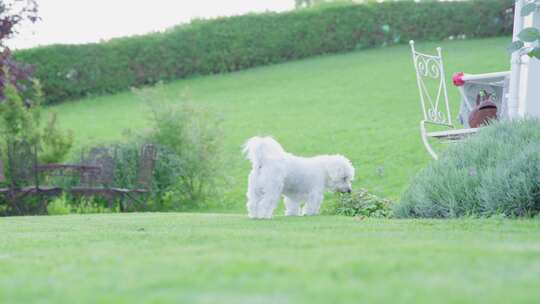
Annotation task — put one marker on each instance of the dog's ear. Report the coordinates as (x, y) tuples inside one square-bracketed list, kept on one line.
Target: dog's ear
[(339, 167), (334, 171), (351, 172)]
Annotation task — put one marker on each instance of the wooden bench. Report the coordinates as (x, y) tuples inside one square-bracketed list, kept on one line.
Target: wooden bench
[(103, 183), (95, 176)]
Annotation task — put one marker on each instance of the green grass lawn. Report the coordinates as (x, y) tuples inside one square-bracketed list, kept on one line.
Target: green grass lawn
[(209, 258), (363, 105)]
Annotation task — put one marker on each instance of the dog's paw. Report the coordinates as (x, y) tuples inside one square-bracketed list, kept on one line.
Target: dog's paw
[(260, 217), (292, 213)]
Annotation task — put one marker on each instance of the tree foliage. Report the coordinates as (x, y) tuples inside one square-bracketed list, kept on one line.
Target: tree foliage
[(20, 122), (21, 94), (12, 14)]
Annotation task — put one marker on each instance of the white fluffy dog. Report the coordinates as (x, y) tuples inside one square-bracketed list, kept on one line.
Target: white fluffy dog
[(300, 180)]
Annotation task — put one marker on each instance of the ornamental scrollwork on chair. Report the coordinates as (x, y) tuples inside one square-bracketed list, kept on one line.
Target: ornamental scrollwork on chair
[(435, 115), (428, 67)]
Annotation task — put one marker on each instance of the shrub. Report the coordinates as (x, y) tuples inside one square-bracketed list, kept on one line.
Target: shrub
[(56, 143), (189, 144), (494, 172), (59, 206), (240, 42), (188, 167), (66, 204), (86, 205), (20, 121), (362, 203)]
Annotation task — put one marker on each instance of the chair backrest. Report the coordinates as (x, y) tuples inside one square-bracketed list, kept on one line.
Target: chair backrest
[(432, 87), (147, 163), (101, 157), (2, 175), (22, 164)]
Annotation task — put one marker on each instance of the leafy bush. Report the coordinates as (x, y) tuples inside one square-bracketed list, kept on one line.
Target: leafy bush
[(240, 42), (362, 203), (20, 121), (56, 143), (494, 172), (66, 204), (188, 139), (59, 206), (86, 205)]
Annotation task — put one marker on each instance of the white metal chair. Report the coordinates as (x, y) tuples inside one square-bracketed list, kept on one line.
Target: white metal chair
[(434, 99)]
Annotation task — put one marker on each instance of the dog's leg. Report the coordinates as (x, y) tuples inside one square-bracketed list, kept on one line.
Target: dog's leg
[(292, 208), (270, 199), (313, 204), (252, 203), (267, 205), (254, 195)]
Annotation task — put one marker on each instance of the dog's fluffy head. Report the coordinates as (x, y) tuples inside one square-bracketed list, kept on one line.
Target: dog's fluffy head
[(340, 173)]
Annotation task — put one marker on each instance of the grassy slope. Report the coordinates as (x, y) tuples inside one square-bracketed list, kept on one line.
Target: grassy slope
[(363, 105), (206, 258)]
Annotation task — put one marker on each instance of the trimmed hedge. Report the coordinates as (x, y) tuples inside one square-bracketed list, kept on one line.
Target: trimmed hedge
[(235, 43)]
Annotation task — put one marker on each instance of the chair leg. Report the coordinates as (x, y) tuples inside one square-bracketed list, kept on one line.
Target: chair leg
[(136, 202), (426, 141)]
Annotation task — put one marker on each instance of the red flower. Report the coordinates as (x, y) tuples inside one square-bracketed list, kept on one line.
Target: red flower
[(457, 79)]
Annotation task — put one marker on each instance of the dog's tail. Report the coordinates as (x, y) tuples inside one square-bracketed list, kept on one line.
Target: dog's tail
[(260, 150)]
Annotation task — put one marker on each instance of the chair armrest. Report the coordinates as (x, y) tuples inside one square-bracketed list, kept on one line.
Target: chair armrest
[(61, 168), (2, 176), (424, 122), (487, 76)]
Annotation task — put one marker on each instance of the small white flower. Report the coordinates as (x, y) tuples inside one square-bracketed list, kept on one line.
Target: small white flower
[(71, 74)]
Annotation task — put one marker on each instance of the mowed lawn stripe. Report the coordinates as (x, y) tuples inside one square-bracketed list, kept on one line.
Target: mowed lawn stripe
[(227, 258)]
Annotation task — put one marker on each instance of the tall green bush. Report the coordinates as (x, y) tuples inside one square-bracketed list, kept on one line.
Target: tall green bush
[(494, 172), (188, 137), (240, 42), (20, 122)]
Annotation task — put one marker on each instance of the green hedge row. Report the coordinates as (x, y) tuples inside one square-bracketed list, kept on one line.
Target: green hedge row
[(235, 43)]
